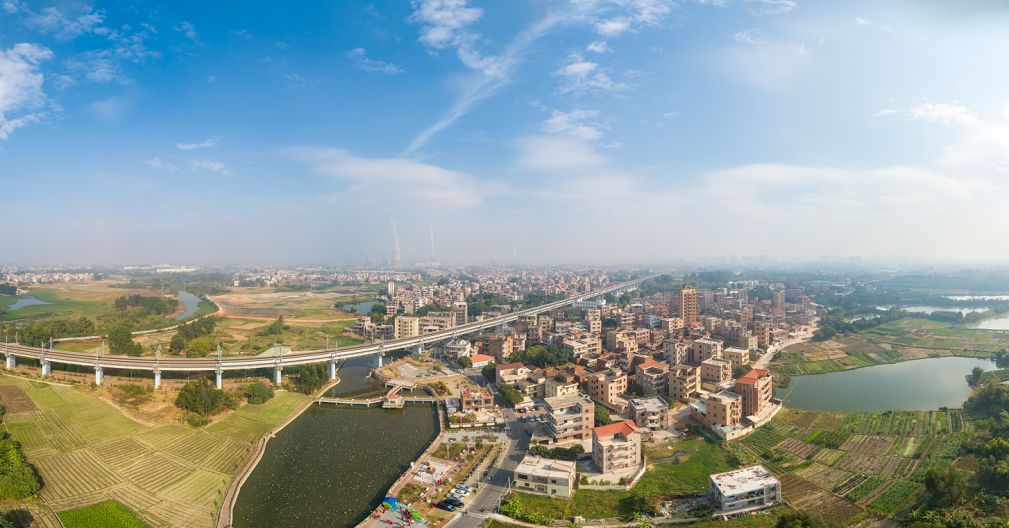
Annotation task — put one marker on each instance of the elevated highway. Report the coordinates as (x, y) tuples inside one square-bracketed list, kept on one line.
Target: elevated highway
[(157, 365)]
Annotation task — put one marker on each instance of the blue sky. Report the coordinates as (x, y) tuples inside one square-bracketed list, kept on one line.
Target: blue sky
[(533, 131)]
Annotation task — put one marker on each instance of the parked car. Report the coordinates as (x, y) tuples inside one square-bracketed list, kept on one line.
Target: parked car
[(454, 502), (444, 505)]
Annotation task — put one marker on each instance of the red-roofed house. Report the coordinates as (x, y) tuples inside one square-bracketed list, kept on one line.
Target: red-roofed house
[(616, 447), (756, 388), (481, 360)]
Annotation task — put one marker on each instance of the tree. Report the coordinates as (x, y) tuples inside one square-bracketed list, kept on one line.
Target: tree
[(945, 487), (602, 416), (199, 347), (121, 341), (200, 397), (802, 519), (465, 362), (511, 394), (18, 480), (177, 345), (489, 371), (542, 355), (258, 392), (311, 377), (275, 328), (975, 375)]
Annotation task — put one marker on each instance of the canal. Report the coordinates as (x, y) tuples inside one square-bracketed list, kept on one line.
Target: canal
[(190, 302), (921, 384), (332, 465)]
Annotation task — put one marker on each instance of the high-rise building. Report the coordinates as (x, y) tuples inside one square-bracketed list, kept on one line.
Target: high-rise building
[(406, 326), (756, 388), (460, 309), (688, 304)]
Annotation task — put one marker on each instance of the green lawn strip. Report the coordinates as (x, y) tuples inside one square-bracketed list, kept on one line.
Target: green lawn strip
[(865, 488), (894, 499), (108, 514)]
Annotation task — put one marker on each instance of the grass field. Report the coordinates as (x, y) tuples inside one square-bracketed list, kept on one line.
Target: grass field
[(265, 302), (88, 452), (108, 514), (845, 465), (902, 340)]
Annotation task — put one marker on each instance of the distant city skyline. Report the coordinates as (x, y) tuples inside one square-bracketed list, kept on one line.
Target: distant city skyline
[(530, 132)]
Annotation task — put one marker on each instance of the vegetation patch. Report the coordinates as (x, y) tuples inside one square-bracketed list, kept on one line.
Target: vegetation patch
[(108, 514)]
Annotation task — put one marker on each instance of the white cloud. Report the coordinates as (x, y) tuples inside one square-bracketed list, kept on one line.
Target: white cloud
[(409, 181), (207, 143), (771, 7), (446, 24), (670, 115), (554, 153), (885, 112), (580, 124), (943, 113), (613, 27), (361, 61), (863, 22), (209, 166), (580, 75), (188, 29), (598, 46), (22, 98), (64, 25), (750, 37), (157, 163)]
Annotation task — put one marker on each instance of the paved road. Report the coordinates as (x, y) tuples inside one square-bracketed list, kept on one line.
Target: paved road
[(491, 492)]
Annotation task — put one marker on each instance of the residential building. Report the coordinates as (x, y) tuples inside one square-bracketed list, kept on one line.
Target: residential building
[(652, 376), (703, 348), (481, 360), (650, 413), (569, 418), (561, 385), (716, 370), (748, 488), (671, 325), (756, 387), (477, 399), (406, 326), (718, 410), (496, 345), (460, 348), (510, 373), (606, 386), (684, 382), (737, 356), (555, 478), (460, 309), (616, 447), (688, 305)]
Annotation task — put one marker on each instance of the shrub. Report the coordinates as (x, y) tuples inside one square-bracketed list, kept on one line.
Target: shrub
[(196, 420), (18, 479), (200, 397), (258, 392), (133, 389)]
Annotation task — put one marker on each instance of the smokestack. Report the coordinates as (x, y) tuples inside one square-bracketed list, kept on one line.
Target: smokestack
[(395, 243)]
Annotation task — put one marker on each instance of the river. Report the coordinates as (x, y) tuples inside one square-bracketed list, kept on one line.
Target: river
[(922, 384), (190, 302), (332, 465)]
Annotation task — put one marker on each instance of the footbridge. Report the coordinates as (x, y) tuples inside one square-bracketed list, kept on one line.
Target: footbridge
[(219, 364)]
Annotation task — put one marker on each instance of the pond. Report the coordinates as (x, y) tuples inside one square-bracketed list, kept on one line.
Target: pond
[(361, 308), (907, 386), (190, 302), (25, 302), (995, 323), (929, 309), (332, 465)]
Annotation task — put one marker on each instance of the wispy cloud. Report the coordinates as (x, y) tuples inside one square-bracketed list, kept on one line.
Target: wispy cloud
[(943, 113), (207, 143), (209, 166), (188, 29), (359, 56), (157, 163), (22, 98), (63, 23), (771, 7), (581, 75), (581, 124)]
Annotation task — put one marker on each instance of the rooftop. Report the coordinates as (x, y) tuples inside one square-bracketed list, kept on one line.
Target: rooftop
[(545, 467), (624, 428), (743, 480), (752, 376)]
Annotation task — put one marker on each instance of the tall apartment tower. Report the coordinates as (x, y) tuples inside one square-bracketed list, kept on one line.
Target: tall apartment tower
[(390, 288), (688, 304), (460, 309)]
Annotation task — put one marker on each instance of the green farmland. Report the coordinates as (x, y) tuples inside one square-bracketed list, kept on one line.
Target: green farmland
[(88, 452)]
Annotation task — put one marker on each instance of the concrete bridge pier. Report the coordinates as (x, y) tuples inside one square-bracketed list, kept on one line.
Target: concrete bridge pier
[(418, 350), (278, 373), (11, 362), (218, 381), (47, 368), (332, 369), (99, 375), (378, 361), (157, 379)]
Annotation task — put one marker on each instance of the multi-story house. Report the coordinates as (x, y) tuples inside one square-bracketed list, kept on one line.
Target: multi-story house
[(684, 382), (616, 447), (756, 387), (716, 370), (569, 418)]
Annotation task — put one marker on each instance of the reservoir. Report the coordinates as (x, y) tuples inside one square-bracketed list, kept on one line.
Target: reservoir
[(922, 384), (25, 302), (332, 465), (190, 302), (361, 308)]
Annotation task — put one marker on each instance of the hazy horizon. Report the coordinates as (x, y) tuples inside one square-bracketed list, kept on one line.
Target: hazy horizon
[(528, 132)]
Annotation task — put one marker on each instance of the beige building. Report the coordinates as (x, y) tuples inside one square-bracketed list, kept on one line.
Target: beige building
[(672, 324), (718, 409), (703, 348), (744, 489), (684, 382), (688, 305), (555, 478), (652, 376), (616, 447), (716, 370), (650, 413), (736, 356), (406, 326), (496, 345), (561, 385), (570, 418), (606, 386)]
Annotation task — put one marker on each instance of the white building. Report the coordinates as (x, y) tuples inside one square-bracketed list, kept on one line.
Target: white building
[(749, 488), (555, 478)]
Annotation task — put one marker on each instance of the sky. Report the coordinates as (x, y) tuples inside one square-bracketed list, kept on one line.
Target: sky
[(526, 131)]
